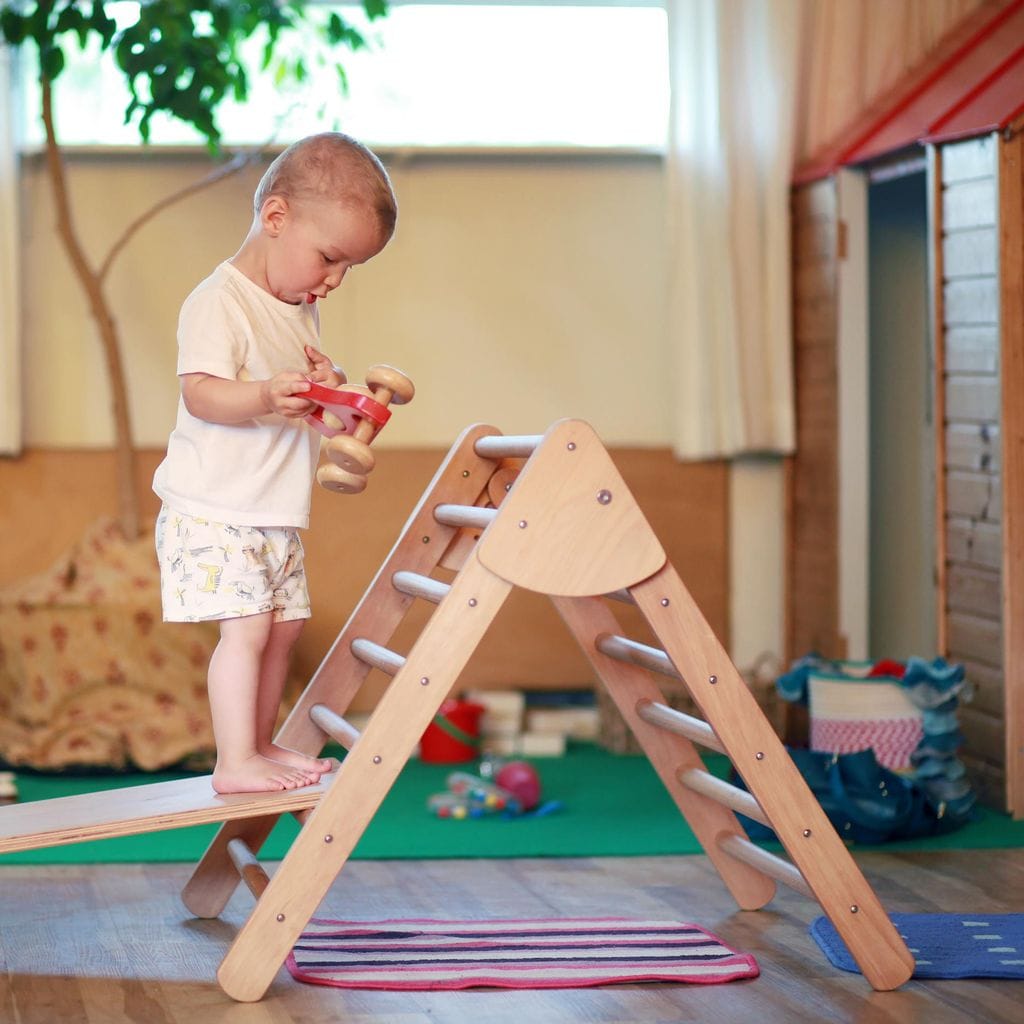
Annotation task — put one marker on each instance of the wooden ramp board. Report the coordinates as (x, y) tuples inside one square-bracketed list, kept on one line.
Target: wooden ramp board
[(148, 808)]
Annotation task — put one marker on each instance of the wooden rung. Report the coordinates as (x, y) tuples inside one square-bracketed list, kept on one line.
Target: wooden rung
[(377, 657), (465, 515), (677, 721), (416, 585), (496, 446), (777, 868), (249, 867), (724, 792), (149, 808), (334, 725), (631, 651)]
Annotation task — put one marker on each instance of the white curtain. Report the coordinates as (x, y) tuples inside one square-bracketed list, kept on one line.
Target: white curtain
[(733, 75), (10, 349)]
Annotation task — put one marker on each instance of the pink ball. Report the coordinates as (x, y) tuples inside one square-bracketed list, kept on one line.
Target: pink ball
[(522, 781)]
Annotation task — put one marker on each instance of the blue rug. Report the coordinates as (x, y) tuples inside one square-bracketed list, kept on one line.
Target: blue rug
[(945, 945)]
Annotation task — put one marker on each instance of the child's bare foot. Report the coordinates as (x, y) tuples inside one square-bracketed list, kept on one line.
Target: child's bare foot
[(316, 765), (258, 774)]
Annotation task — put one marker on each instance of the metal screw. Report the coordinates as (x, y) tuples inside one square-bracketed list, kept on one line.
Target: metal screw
[(424, 681), (376, 758), (712, 680), (665, 602), (604, 497), (280, 917), (759, 755), (328, 839), (426, 540), (854, 909), (465, 472), (472, 602), (522, 524), (571, 446), (807, 833)]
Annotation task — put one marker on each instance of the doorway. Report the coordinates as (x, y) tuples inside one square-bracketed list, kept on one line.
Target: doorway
[(902, 592)]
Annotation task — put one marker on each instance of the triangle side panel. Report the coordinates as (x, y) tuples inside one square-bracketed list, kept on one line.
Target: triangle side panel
[(570, 526), (589, 618), (460, 479), (759, 756), (330, 834)]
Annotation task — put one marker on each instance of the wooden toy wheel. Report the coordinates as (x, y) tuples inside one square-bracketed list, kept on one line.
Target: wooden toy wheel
[(396, 387), (336, 479), (351, 454)]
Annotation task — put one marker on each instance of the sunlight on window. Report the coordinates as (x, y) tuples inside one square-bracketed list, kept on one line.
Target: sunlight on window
[(436, 75)]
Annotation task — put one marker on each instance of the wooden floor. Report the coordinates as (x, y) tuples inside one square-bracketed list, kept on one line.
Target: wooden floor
[(112, 943)]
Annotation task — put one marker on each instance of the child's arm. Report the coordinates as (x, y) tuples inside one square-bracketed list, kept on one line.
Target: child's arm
[(218, 400)]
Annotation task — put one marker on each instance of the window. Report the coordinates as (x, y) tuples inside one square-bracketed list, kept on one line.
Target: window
[(438, 74)]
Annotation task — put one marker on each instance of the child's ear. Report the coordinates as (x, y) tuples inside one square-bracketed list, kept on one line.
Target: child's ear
[(273, 215)]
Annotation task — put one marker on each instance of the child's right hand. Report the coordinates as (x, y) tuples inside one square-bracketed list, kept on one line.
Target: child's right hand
[(283, 394)]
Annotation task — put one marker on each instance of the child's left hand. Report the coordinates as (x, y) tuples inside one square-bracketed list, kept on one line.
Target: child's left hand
[(323, 371)]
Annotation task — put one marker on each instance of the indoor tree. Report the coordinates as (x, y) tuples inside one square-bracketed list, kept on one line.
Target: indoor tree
[(180, 59)]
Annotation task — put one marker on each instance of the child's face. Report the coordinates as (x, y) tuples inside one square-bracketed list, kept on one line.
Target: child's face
[(314, 245)]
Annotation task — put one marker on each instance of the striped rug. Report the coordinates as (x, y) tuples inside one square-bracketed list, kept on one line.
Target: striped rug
[(540, 953)]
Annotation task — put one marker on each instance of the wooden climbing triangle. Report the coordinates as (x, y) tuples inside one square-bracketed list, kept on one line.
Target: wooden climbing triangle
[(562, 523)]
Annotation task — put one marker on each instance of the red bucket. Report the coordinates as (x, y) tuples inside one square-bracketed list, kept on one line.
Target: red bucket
[(454, 734)]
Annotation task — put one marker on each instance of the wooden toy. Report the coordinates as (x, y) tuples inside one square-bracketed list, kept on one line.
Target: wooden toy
[(568, 527), (350, 417)]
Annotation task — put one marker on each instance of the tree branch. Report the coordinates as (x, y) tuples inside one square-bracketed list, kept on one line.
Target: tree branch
[(233, 166)]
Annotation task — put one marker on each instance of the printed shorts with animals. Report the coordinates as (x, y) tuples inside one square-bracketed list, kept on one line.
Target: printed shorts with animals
[(219, 571)]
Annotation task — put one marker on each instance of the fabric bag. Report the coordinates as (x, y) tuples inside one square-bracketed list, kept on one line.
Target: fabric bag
[(864, 801)]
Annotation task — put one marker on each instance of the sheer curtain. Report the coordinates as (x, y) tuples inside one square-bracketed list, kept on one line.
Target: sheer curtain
[(10, 349), (733, 74)]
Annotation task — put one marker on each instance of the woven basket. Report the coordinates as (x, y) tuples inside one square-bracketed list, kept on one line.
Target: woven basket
[(849, 714)]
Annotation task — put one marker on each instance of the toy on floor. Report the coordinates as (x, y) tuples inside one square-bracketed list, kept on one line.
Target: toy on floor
[(350, 417), (514, 790), (8, 788)]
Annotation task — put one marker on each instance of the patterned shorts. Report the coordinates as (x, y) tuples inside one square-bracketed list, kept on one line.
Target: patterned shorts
[(219, 571)]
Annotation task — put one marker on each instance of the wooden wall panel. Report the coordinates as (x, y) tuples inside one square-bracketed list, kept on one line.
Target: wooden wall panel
[(48, 498), (1011, 297), (813, 483), (972, 448)]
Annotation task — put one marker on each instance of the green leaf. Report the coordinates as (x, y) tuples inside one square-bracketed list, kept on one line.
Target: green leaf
[(13, 26), (51, 62)]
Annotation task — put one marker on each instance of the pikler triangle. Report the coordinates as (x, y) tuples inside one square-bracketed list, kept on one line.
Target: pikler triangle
[(562, 523)]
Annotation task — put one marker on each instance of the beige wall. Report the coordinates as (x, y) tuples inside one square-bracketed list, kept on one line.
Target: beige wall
[(515, 292)]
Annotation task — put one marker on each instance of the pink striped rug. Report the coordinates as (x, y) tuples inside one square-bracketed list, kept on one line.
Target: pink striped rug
[(541, 953)]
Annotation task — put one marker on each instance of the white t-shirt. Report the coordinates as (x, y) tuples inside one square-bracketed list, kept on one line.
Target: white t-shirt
[(258, 472)]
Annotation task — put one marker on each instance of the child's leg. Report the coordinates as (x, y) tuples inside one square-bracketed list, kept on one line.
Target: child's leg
[(234, 677), (273, 675)]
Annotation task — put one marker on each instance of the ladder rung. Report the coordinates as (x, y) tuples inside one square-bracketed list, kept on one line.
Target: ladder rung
[(377, 657), (677, 721), (465, 515), (621, 649), (495, 446), (334, 725), (416, 585), (723, 792), (765, 862), (248, 866)]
